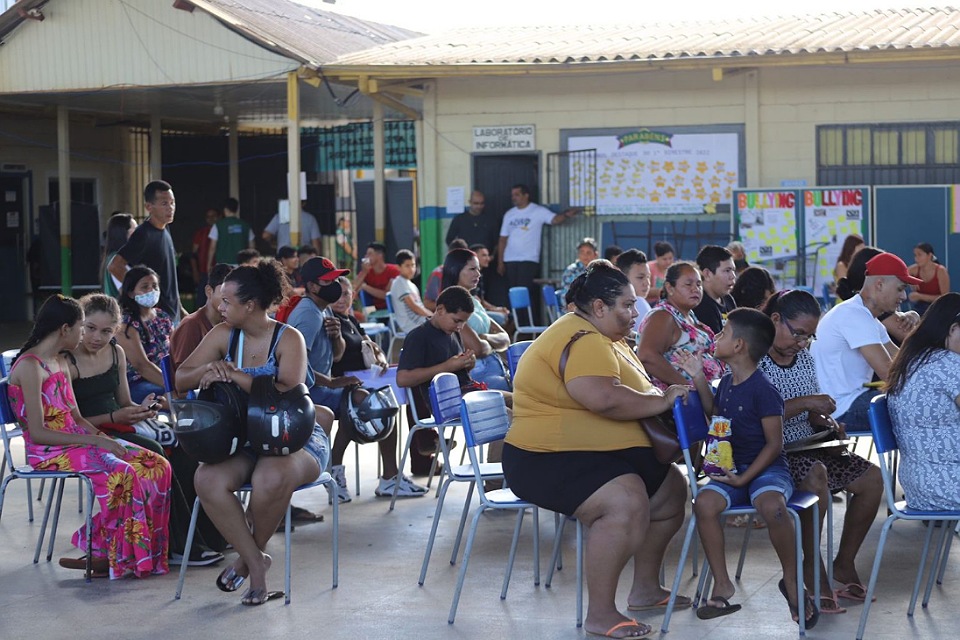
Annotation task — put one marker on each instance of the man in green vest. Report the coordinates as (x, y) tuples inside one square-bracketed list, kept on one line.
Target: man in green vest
[(229, 236)]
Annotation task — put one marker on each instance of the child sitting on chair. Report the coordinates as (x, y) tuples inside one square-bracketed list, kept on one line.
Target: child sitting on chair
[(755, 410)]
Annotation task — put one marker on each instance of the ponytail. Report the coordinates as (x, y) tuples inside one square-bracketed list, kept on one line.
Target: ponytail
[(56, 311)]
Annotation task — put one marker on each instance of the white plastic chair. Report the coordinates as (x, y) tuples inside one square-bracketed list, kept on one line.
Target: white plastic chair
[(691, 431), (887, 449), (59, 479), (325, 480), (484, 418), (396, 335)]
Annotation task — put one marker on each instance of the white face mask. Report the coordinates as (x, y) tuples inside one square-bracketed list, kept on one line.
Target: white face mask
[(149, 300)]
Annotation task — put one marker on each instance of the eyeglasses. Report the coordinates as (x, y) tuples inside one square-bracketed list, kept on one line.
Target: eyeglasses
[(797, 335)]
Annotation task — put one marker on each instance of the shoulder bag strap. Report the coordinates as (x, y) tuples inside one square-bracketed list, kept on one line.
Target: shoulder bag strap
[(565, 354)]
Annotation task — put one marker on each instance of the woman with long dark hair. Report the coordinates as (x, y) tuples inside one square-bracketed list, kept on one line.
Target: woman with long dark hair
[(119, 228), (923, 391), (936, 279), (132, 484), (753, 287), (482, 334), (265, 347), (144, 333), (851, 245)]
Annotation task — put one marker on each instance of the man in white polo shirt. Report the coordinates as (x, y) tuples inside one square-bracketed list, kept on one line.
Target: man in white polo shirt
[(518, 254), (852, 345)]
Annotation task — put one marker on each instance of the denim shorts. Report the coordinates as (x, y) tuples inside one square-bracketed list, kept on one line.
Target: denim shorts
[(774, 478), (327, 397)]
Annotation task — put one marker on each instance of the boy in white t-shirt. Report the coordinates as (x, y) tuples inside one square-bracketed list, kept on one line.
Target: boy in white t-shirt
[(407, 305)]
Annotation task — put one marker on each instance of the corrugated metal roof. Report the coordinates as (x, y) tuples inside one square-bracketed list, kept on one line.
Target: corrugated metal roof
[(882, 29), (313, 36)]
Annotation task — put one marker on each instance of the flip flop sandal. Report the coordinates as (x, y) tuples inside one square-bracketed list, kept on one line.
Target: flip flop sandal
[(299, 514), (682, 602), (229, 580), (709, 611), (628, 625), (807, 600), (834, 607), (256, 597), (846, 593)]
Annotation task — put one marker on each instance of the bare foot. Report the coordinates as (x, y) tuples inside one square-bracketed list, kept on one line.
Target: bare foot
[(619, 627)]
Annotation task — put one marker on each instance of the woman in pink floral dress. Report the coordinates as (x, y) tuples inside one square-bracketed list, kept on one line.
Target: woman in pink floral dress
[(132, 485), (672, 329)]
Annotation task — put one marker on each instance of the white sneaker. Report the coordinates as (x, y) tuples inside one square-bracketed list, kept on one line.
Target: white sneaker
[(408, 488), (339, 474)]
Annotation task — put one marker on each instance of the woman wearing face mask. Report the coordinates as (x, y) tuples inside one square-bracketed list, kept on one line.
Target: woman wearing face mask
[(144, 333)]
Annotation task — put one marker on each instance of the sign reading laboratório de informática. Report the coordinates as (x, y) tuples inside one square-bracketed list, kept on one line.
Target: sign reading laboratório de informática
[(513, 137)]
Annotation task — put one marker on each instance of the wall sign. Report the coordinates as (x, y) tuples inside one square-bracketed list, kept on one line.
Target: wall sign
[(518, 137)]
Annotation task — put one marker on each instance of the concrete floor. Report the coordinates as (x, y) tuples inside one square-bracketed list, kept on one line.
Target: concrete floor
[(378, 596)]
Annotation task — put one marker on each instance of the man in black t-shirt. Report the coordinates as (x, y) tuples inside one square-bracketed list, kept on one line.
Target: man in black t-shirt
[(152, 245), (719, 275)]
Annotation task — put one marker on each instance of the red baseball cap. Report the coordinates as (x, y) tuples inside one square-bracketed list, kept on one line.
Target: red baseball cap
[(319, 269), (887, 264)]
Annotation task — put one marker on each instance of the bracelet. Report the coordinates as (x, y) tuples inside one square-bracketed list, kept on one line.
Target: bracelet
[(111, 416)]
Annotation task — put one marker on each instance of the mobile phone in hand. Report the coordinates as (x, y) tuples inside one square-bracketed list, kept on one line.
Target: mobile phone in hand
[(154, 406)]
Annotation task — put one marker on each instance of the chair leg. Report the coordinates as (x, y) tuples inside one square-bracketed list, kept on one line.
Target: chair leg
[(935, 561), (441, 495), (829, 562), (463, 522), (555, 555), (286, 554), (579, 574), (923, 563), (557, 518), (189, 545), (943, 559), (871, 588), (356, 457), (43, 525), (88, 573), (675, 589), (331, 487), (466, 560), (79, 496), (513, 554), (56, 518), (743, 547)]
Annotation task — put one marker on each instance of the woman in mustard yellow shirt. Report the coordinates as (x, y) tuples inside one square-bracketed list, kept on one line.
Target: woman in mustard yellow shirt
[(576, 447)]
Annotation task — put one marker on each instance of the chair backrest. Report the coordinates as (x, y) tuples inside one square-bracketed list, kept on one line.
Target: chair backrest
[(166, 368), (445, 398), (514, 352), (7, 416), (6, 361), (550, 296), (881, 426), (484, 417), (365, 299), (519, 298), (691, 430)]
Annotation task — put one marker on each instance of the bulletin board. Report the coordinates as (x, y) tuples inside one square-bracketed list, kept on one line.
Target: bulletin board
[(765, 221), (829, 215), (905, 216)]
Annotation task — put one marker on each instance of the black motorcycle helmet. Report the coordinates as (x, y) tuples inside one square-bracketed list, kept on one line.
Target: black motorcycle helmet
[(279, 424), (373, 419), (210, 428)]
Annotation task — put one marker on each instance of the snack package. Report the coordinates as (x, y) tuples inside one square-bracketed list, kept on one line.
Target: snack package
[(719, 452)]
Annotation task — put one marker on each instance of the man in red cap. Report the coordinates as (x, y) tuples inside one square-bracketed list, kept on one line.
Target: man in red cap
[(852, 345)]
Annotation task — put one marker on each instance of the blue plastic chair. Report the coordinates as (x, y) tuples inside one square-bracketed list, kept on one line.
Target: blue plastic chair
[(445, 400), (484, 418), (520, 301), (367, 301), (59, 479), (395, 333), (514, 351), (887, 451), (691, 431), (551, 303)]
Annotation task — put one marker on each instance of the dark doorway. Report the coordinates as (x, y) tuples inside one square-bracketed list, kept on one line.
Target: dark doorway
[(494, 175), (13, 204)]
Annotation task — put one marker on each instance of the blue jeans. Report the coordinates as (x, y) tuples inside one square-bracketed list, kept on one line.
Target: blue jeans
[(855, 419), (327, 397), (141, 388), (489, 370)]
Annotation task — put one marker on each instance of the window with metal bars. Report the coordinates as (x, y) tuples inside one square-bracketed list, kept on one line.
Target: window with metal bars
[(890, 153)]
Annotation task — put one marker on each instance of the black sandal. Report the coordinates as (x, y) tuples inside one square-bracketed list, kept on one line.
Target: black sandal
[(808, 601)]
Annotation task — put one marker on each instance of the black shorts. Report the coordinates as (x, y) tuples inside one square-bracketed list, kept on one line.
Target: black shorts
[(561, 481)]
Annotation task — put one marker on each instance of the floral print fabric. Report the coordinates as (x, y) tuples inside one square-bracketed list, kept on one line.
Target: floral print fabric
[(695, 338), (130, 529), (154, 336)]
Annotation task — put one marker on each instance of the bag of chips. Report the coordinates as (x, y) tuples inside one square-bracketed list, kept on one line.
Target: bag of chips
[(719, 451)]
